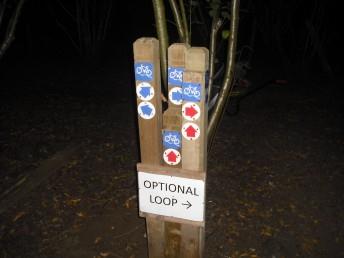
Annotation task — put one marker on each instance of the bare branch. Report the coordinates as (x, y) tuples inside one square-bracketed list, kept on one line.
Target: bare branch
[(77, 47), (66, 10), (2, 10), (185, 22), (178, 20), (160, 21), (9, 36), (229, 74), (216, 24)]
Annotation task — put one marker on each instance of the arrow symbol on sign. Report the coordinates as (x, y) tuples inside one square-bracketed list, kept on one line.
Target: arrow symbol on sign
[(145, 91), (190, 131), (146, 110), (188, 204), (190, 111), (177, 95), (172, 157)]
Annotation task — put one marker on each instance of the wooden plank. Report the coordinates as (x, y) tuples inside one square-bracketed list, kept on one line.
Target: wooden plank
[(172, 219), (181, 172), (146, 57), (146, 50), (172, 121), (194, 152), (155, 236)]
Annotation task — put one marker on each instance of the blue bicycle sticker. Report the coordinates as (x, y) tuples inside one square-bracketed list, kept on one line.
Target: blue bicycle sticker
[(171, 139), (175, 75), (143, 71), (192, 91)]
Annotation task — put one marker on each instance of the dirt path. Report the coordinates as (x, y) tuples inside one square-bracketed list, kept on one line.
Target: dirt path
[(275, 182)]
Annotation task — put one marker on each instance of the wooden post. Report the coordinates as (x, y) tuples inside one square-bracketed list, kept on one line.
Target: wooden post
[(148, 89), (173, 149), (172, 123), (194, 128)]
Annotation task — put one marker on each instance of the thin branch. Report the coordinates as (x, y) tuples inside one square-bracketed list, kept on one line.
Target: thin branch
[(9, 36), (229, 74), (93, 25), (66, 10), (108, 15), (160, 21), (216, 24), (127, 233), (88, 29), (178, 19), (101, 23), (77, 47), (2, 10), (171, 22), (185, 22), (78, 24)]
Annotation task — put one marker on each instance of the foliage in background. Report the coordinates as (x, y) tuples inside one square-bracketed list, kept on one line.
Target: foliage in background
[(292, 32), (91, 21), (220, 12), (297, 31), (9, 15)]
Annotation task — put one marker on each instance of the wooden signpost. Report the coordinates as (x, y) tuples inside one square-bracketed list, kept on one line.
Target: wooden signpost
[(172, 172)]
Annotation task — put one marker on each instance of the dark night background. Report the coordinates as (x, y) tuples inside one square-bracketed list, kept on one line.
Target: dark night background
[(277, 165)]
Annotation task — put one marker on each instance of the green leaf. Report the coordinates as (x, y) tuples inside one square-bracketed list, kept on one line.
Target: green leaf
[(225, 34)]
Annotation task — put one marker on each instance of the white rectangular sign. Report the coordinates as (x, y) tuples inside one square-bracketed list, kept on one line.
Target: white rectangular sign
[(171, 196)]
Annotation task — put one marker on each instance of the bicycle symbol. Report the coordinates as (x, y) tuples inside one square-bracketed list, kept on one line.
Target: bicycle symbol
[(172, 139), (176, 75), (143, 70), (192, 92)]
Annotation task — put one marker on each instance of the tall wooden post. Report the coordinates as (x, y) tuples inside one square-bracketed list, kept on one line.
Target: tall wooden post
[(148, 89), (194, 128), (171, 174), (172, 123)]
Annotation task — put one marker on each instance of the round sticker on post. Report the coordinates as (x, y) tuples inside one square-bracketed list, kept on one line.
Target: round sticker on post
[(176, 95), (146, 110), (144, 91), (191, 111), (191, 131), (172, 157)]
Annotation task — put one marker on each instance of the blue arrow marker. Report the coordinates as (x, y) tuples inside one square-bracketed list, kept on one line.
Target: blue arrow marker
[(146, 110), (145, 91), (177, 95)]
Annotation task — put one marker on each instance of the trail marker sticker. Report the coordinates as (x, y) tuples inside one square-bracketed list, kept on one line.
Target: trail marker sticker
[(192, 91), (175, 75), (146, 110), (171, 139), (171, 196), (176, 95), (191, 131), (191, 111), (143, 71), (172, 156), (144, 91)]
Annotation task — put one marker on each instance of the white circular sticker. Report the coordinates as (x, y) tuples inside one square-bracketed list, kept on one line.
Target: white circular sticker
[(146, 110), (191, 131), (191, 111), (144, 91), (172, 157), (176, 95)]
